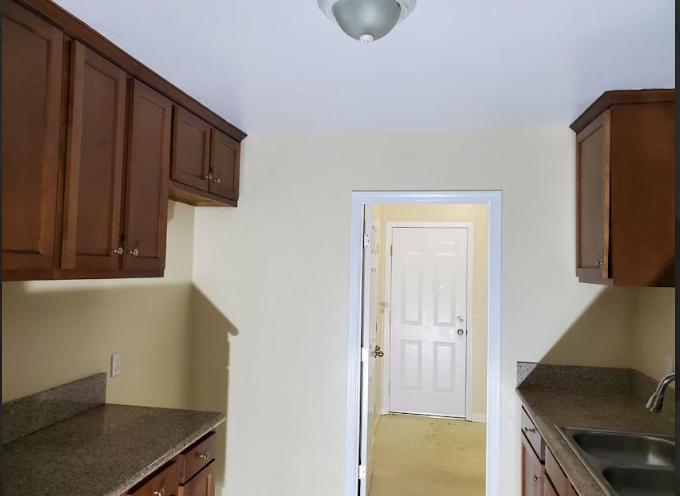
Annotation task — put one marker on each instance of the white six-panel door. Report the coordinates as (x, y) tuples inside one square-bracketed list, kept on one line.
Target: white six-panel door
[(428, 315)]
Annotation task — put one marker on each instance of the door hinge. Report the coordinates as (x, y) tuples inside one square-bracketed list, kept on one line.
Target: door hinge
[(367, 241), (364, 355), (362, 472)]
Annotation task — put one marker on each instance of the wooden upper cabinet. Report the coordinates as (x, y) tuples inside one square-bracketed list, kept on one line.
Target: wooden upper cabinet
[(94, 163), (592, 200), (148, 165), (190, 150), (224, 165), (625, 184), (32, 52)]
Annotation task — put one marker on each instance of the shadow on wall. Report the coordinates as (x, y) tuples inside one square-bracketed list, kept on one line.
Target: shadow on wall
[(208, 336), (601, 336)]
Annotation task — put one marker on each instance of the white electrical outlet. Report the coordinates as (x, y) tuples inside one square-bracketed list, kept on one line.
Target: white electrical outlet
[(115, 364)]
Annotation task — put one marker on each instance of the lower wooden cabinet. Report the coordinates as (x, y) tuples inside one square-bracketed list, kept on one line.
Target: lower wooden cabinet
[(541, 474), (191, 473), (532, 471)]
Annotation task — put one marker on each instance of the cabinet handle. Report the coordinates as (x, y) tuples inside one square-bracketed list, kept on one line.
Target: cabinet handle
[(203, 456), (529, 429), (134, 252), (118, 251)]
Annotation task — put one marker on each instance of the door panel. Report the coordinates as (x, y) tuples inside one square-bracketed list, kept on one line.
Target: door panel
[(32, 55), (428, 296), (592, 175), (190, 149), (94, 165), (147, 179), (224, 165)]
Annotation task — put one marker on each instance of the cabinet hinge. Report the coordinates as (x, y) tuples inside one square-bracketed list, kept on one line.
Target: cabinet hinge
[(362, 472)]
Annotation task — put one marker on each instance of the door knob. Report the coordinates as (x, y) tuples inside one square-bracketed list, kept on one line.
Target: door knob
[(460, 332), (378, 352)]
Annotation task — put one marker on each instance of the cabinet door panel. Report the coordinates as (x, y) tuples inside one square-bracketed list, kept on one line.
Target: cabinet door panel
[(190, 149), (202, 484), (224, 165), (592, 202), (94, 163), (147, 179), (32, 55), (532, 471)]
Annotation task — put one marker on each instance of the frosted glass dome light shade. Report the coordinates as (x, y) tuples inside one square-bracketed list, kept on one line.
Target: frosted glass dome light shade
[(367, 20)]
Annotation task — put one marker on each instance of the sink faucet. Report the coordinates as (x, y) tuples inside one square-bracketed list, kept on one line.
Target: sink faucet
[(655, 401)]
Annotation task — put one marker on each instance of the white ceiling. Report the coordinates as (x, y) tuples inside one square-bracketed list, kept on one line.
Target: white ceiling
[(281, 66)]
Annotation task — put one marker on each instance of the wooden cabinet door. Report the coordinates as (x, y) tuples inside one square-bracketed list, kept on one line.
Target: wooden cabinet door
[(190, 149), (592, 200), (532, 471), (224, 165), (94, 163), (148, 165), (32, 53), (202, 484)]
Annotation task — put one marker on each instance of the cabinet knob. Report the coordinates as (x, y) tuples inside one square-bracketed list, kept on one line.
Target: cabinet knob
[(217, 180), (134, 252), (118, 251), (537, 478), (599, 263), (203, 456), (160, 492), (208, 177)]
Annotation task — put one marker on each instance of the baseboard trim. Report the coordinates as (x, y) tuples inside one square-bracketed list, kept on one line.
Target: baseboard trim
[(477, 417)]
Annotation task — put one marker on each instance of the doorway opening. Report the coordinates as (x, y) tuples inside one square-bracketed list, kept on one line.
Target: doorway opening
[(424, 344)]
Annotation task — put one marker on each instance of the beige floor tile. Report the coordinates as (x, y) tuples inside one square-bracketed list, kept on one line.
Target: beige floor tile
[(422, 456)]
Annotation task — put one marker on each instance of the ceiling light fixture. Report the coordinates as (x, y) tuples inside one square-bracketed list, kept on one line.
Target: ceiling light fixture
[(367, 20)]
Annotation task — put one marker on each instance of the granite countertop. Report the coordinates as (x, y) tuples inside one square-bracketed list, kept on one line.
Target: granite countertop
[(618, 402), (68, 441), (102, 452)]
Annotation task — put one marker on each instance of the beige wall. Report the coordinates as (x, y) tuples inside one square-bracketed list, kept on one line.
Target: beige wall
[(653, 342), (58, 331), (277, 267), (478, 216)]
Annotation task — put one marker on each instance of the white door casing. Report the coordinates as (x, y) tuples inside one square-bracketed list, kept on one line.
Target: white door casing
[(428, 315), (355, 435)]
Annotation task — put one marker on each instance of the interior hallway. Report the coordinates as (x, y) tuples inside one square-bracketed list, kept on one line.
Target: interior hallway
[(423, 456)]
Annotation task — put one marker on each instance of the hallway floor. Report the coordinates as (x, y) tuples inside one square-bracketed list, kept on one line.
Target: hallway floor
[(423, 456)]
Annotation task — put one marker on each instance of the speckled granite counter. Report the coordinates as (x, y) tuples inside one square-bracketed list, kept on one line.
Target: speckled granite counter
[(618, 403), (101, 452)]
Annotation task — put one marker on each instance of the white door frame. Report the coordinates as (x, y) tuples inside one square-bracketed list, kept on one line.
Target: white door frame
[(387, 328), (359, 201)]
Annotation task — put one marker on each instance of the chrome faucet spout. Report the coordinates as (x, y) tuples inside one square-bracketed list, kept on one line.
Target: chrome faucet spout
[(655, 402)]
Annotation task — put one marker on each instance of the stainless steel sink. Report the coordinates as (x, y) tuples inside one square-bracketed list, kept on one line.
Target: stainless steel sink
[(626, 463)]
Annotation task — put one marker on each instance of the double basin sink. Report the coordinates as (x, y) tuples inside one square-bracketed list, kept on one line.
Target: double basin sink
[(625, 463)]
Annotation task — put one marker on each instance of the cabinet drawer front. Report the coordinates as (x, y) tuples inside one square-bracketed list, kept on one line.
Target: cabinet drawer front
[(197, 456), (203, 484), (531, 432), (163, 483)]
